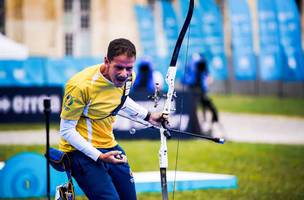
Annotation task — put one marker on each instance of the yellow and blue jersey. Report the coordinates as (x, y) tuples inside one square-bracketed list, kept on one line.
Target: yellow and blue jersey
[(90, 98)]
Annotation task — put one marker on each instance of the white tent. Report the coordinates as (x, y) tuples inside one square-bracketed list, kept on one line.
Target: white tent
[(11, 50)]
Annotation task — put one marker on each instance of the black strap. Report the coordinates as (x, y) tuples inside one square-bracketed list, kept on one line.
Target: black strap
[(126, 92), (68, 168), (125, 95)]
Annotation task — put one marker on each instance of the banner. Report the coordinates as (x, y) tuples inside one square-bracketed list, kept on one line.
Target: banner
[(149, 39), (11, 71), (25, 104), (146, 30), (270, 58), (290, 32), (59, 71), (196, 37), (172, 26), (242, 46), (30, 72), (212, 30), (41, 71)]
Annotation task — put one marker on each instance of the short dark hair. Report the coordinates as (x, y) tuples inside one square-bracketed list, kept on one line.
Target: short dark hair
[(120, 46)]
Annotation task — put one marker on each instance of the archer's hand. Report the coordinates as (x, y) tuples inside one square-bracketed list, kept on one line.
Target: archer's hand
[(115, 157), (157, 119)]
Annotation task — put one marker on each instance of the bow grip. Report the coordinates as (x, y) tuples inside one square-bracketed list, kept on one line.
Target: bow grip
[(165, 124)]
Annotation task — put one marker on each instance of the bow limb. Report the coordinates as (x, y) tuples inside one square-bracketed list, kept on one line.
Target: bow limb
[(170, 79)]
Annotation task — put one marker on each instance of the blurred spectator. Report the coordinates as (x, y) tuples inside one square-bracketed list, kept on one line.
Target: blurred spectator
[(200, 81), (146, 77)]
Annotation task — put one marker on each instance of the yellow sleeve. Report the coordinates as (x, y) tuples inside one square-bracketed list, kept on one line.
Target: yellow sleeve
[(73, 103)]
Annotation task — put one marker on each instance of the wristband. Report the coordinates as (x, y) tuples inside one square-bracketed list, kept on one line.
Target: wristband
[(147, 116)]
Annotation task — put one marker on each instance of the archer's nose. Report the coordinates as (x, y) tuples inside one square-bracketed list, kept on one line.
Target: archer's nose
[(126, 73)]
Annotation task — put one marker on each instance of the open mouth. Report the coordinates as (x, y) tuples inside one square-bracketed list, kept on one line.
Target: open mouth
[(121, 81)]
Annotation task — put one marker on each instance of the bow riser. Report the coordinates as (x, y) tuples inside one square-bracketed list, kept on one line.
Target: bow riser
[(163, 156), (170, 81)]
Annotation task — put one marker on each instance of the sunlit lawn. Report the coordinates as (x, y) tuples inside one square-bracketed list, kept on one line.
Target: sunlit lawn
[(260, 105), (263, 171)]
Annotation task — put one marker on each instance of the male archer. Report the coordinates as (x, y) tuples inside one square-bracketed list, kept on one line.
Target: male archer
[(92, 99)]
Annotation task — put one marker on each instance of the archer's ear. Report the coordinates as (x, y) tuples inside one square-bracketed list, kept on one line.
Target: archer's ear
[(106, 61)]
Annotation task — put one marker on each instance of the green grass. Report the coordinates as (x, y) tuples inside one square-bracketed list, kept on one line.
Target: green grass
[(26, 126), (263, 171), (260, 105)]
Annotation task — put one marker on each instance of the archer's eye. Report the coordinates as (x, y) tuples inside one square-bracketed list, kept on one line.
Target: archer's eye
[(119, 67), (129, 69)]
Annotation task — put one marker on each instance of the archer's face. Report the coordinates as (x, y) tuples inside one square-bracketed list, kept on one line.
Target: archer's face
[(119, 69)]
